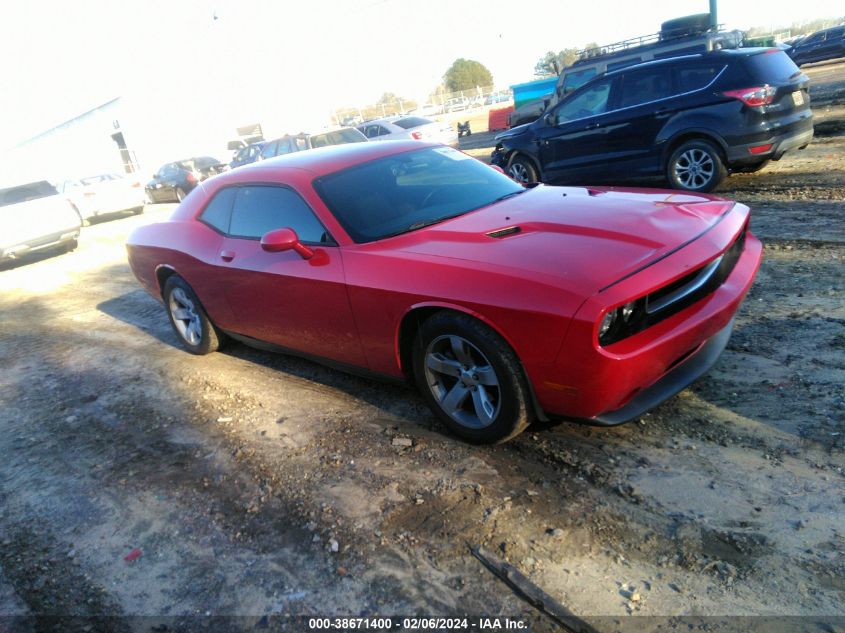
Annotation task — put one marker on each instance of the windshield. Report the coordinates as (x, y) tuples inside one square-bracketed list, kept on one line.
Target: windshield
[(407, 191)]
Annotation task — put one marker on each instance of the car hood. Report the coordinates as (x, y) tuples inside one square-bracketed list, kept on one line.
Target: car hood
[(514, 131), (585, 239)]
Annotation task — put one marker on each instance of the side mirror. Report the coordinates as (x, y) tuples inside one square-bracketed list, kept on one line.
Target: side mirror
[(285, 240)]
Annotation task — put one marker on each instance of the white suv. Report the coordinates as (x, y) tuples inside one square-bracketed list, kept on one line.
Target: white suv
[(34, 217)]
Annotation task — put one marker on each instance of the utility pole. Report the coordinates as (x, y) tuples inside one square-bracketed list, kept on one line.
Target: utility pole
[(714, 19)]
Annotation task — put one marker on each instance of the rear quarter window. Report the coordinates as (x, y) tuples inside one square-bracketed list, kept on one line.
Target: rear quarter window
[(219, 211), (771, 67), (695, 77)]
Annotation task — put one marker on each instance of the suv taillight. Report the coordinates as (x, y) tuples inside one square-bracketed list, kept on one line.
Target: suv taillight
[(190, 177), (757, 96), (417, 135)]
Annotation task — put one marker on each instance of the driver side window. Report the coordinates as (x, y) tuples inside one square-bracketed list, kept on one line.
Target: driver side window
[(262, 208), (585, 103)]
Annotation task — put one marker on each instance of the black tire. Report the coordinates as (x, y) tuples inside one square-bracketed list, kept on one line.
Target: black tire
[(71, 246), (180, 194), (490, 359), (207, 338), (750, 169), (696, 165), (522, 170)]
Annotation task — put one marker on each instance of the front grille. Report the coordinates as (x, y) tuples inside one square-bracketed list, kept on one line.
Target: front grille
[(674, 297)]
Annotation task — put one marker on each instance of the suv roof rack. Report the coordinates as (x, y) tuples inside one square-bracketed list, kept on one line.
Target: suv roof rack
[(644, 42)]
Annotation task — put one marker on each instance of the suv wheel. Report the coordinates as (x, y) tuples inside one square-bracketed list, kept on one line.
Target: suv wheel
[(522, 170), (696, 166)]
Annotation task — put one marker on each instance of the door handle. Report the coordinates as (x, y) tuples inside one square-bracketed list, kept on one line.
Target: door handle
[(592, 126), (227, 256)]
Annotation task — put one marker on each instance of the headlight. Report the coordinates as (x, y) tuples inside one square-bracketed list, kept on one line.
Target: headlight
[(622, 322), (607, 323)]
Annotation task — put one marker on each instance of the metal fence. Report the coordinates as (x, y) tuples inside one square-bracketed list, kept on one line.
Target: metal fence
[(438, 103)]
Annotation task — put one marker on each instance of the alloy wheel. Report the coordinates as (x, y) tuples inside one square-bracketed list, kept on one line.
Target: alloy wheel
[(462, 381), (518, 172), (185, 317), (694, 168)]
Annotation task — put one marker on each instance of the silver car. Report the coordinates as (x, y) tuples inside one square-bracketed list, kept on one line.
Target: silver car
[(401, 128)]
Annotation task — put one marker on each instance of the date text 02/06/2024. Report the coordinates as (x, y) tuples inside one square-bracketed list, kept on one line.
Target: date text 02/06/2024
[(417, 624)]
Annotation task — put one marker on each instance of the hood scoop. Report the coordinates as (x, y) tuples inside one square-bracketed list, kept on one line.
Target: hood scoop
[(500, 233)]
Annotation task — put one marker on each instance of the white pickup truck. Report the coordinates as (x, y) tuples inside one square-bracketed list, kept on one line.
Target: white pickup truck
[(34, 216)]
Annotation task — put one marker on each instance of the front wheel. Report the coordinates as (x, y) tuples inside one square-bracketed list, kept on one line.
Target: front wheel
[(471, 379), (522, 170), (188, 318), (696, 166)]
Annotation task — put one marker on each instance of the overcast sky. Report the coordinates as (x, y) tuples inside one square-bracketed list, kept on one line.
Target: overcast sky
[(245, 58)]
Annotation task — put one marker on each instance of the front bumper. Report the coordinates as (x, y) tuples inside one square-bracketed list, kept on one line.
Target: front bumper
[(613, 384), (673, 381)]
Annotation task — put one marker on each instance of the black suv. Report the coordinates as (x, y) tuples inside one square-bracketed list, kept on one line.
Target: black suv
[(691, 119)]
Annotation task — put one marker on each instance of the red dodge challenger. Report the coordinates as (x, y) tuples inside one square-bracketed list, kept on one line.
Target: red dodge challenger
[(504, 304)]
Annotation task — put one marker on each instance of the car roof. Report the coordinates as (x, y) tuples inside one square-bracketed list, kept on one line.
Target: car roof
[(324, 160), (721, 54)]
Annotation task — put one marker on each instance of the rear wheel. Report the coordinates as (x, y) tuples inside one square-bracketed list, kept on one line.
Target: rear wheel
[(696, 166), (471, 379), (522, 170), (188, 318)]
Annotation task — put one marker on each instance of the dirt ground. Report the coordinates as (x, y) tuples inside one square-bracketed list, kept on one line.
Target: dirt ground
[(255, 484)]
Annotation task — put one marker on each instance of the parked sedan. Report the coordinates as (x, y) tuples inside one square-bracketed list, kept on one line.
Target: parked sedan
[(503, 304), (171, 183), (819, 46), (395, 128), (103, 194)]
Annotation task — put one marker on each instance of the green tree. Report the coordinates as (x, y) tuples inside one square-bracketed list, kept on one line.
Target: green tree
[(387, 98), (466, 74), (552, 63)]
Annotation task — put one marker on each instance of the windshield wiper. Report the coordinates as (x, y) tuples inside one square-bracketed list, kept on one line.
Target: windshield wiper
[(422, 224)]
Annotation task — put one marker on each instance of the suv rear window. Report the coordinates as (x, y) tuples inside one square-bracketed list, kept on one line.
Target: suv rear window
[(771, 67), (25, 193), (411, 121)]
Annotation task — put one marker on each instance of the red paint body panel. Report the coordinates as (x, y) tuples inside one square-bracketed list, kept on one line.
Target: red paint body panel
[(579, 252)]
